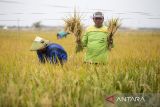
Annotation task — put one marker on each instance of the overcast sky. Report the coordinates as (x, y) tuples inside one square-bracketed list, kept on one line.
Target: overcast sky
[(133, 13)]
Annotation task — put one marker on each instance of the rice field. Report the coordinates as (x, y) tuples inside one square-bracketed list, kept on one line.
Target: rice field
[(133, 67)]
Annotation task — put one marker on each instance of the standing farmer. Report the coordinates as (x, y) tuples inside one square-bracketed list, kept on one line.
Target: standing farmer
[(48, 52), (95, 40)]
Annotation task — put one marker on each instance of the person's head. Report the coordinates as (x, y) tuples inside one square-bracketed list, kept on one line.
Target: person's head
[(39, 44), (98, 19), (43, 50)]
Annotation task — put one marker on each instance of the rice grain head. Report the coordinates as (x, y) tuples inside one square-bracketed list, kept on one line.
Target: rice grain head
[(74, 26), (113, 25)]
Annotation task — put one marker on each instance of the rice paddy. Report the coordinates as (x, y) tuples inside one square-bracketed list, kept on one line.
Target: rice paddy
[(133, 67)]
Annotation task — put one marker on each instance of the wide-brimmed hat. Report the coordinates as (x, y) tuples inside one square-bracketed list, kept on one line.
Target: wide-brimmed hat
[(39, 43)]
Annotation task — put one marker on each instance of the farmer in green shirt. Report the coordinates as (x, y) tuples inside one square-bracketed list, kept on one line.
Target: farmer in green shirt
[(95, 40)]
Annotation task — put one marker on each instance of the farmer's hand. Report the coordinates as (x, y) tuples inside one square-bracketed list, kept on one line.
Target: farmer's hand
[(110, 43), (78, 41), (110, 34)]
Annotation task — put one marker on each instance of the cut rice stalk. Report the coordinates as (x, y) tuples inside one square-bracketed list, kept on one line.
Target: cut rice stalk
[(73, 25), (113, 26)]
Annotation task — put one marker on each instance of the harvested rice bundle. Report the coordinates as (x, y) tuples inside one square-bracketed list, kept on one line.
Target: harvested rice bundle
[(73, 26), (113, 26)]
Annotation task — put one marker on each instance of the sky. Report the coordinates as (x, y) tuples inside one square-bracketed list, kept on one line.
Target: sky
[(132, 13)]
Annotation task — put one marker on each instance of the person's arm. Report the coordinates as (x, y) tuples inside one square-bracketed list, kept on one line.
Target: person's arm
[(66, 34), (85, 40), (53, 56), (41, 57), (62, 56), (110, 41)]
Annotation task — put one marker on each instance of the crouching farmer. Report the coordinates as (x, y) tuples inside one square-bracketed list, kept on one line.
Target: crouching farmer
[(62, 34), (49, 52)]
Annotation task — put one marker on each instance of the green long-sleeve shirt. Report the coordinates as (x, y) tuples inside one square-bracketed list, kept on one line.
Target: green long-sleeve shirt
[(95, 40)]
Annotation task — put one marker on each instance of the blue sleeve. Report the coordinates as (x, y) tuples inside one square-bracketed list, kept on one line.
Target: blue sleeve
[(40, 56), (56, 55), (53, 56), (63, 56)]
